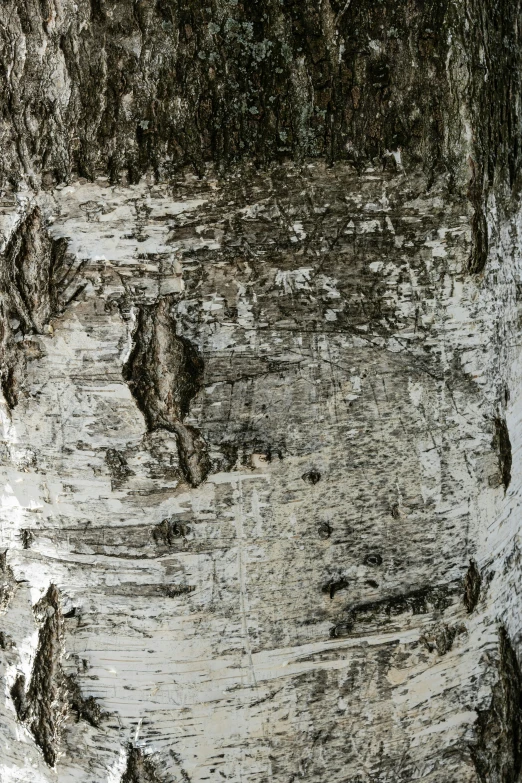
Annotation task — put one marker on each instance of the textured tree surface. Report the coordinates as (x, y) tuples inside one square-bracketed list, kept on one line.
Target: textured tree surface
[(261, 391)]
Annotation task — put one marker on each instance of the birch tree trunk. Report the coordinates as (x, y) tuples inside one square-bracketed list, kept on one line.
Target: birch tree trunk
[(261, 391)]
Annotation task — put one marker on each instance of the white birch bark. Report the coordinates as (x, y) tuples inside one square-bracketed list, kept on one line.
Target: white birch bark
[(261, 464)]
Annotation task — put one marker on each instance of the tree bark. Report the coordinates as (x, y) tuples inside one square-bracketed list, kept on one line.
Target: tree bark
[(261, 391)]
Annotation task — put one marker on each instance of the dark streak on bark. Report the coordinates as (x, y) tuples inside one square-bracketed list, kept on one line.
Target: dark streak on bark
[(472, 585), (41, 707), (85, 709), (27, 538), (169, 532), (51, 694), (502, 443), (311, 477), (7, 582), (333, 587), (139, 769), (164, 372), (427, 599), (35, 284), (497, 752), (118, 467), (494, 46), (442, 638)]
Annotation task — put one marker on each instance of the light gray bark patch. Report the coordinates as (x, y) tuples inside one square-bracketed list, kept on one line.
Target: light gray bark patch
[(140, 768), (472, 585), (51, 694), (497, 752), (164, 372)]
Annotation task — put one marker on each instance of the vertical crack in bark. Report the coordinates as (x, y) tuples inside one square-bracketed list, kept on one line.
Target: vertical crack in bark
[(51, 694), (42, 706), (27, 267), (479, 223), (139, 769), (164, 372), (479, 232), (497, 753), (472, 585), (495, 49), (502, 443), (34, 285)]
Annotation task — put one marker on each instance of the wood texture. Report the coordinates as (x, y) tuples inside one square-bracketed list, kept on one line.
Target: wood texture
[(261, 392)]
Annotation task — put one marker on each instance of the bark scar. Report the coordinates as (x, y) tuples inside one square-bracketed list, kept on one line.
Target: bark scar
[(164, 372)]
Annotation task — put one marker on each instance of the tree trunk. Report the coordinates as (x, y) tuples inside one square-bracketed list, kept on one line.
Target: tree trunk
[(261, 391)]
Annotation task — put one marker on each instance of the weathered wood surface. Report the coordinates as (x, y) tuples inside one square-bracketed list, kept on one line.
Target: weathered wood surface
[(261, 392)]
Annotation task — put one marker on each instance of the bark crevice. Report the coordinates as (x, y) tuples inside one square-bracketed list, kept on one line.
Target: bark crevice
[(497, 751), (51, 694), (37, 283), (164, 373)]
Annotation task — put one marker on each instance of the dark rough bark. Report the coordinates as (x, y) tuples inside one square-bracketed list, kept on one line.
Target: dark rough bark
[(35, 283), (164, 373), (44, 703), (497, 754), (139, 768), (472, 585), (168, 83)]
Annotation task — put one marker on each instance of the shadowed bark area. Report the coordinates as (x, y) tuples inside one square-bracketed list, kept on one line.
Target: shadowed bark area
[(503, 445), (42, 706), (472, 585), (7, 582)]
